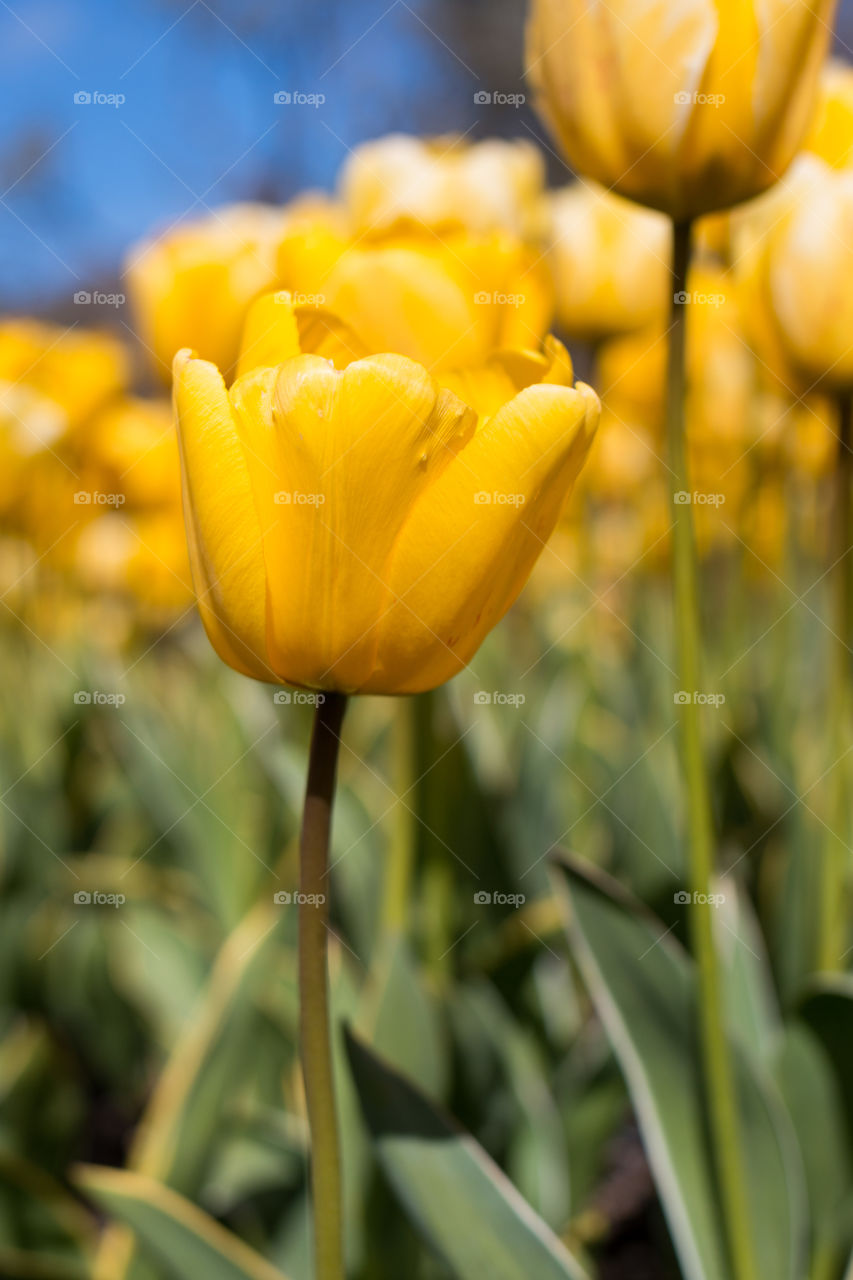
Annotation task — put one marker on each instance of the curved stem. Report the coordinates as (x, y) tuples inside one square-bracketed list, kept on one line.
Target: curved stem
[(314, 1028), (831, 938), (719, 1078)]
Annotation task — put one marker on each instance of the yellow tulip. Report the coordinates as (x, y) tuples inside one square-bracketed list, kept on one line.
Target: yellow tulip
[(71, 372), (446, 304), (687, 106), (141, 555), (805, 267), (442, 183), (831, 133), (361, 528), (193, 284), (132, 443), (610, 262)]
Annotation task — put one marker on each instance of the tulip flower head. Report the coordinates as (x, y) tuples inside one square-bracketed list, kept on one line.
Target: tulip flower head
[(805, 272), (687, 106), (610, 262), (357, 524), (398, 182)]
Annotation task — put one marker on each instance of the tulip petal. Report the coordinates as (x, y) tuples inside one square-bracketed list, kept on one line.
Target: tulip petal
[(467, 548), (338, 459), (270, 334), (407, 301), (223, 533)]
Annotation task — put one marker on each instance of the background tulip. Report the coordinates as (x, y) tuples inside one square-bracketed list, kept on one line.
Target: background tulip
[(192, 284), (807, 265), (442, 183), (609, 260), (687, 107)]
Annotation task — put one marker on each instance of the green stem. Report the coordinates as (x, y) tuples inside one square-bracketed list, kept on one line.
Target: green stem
[(719, 1077), (314, 1026), (401, 857), (833, 892)]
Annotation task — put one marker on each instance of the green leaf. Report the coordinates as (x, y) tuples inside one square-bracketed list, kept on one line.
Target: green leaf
[(458, 1198), (811, 1094), (751, 1002), (183, 1239), (643, 986)]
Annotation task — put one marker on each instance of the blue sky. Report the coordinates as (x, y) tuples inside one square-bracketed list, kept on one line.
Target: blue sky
[(199, 126)]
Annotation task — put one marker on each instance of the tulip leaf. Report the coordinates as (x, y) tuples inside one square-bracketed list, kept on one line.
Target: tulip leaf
[(179, 1236), (643, 986), (463, 1205), (808, 1085)]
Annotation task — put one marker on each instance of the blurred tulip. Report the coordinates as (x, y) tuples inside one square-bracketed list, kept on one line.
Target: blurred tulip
[(132, 443), (142, 555), (71, 371), (193, 284), (446, 304), (442, 183), (687, 107), (806, 265), (831, 133), (609, 259), (360, 528)]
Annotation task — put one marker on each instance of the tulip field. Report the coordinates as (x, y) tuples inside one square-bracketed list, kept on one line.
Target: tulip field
[(426, 559)]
